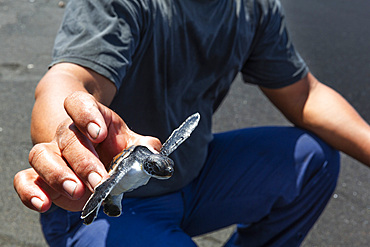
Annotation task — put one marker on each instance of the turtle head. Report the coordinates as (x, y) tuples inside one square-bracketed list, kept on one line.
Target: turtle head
[(158, 166)]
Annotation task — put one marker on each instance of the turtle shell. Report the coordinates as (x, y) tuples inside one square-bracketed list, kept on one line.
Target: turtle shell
[(118, 159)]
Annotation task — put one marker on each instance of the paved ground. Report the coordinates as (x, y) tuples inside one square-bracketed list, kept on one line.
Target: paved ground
[(333, 36)]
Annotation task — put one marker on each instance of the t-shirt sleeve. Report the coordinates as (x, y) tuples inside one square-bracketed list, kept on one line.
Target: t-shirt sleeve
[(93, 34), (273, 62)]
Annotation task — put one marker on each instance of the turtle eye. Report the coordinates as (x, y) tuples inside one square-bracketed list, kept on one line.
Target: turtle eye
[(149, 167)]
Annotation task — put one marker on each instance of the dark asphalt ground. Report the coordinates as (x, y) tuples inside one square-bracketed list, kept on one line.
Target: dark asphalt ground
[(333, 36)]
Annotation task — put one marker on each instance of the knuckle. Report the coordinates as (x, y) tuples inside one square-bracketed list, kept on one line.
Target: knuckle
[(43, 159), (63, 128), (80, 105), (20, 176), (65, 142), (74, 97), (83, 165), (36, 152), (66, 136), (17, 181), (21, 186)]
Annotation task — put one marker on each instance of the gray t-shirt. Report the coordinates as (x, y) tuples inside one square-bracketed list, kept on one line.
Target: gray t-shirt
[(172, 58)]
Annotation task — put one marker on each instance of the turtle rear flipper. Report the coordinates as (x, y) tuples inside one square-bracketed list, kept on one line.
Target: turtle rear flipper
[(112, 205)]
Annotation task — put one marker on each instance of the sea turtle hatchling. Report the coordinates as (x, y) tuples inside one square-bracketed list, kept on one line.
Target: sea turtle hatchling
[(132, 168)]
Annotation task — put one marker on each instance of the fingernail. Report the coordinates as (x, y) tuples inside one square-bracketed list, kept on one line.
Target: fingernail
[(93, 129), (69, 186), (37, 203), (94, 179)]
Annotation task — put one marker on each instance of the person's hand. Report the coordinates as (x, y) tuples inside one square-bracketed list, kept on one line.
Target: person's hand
[(65, 170)]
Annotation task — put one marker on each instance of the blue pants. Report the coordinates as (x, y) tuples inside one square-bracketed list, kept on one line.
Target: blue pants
[(273, 182)]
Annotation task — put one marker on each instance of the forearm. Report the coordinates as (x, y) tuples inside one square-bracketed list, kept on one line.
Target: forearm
[(311, 105), (331, 117)]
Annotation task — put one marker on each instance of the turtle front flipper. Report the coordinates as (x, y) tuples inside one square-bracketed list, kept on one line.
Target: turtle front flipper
[(100, 193), (120, 167), (91, 208), (90, 217), (180, 134), (112, 205)]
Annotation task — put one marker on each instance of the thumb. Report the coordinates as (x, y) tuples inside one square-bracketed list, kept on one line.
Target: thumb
[(88, 115)]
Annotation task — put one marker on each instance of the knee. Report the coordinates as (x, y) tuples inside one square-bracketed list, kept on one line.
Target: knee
[(313, 155)]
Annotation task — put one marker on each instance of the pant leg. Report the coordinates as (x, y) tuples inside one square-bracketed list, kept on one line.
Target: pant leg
[(249, 176), (144, 222), (274, 182)]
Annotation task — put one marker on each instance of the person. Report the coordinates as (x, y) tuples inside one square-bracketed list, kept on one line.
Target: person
[(128, 72)]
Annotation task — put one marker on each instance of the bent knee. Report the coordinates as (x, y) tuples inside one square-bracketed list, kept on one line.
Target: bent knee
[(313, 155)]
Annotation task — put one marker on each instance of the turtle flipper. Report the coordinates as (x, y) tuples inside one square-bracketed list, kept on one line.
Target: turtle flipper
[(90, 217), (91, 208), (112, 205), (180, 134), (101, 192)]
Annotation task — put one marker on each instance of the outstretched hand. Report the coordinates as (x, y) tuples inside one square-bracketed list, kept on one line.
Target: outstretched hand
[(66, 170)]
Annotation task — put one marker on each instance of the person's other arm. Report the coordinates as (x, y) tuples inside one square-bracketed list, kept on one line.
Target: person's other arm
[(312, 105)]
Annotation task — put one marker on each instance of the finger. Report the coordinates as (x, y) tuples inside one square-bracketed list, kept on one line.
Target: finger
[(102, 125), (37, 195), (47, 162), (79, 153), (154, 144), (88, 115), (26, 184)]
